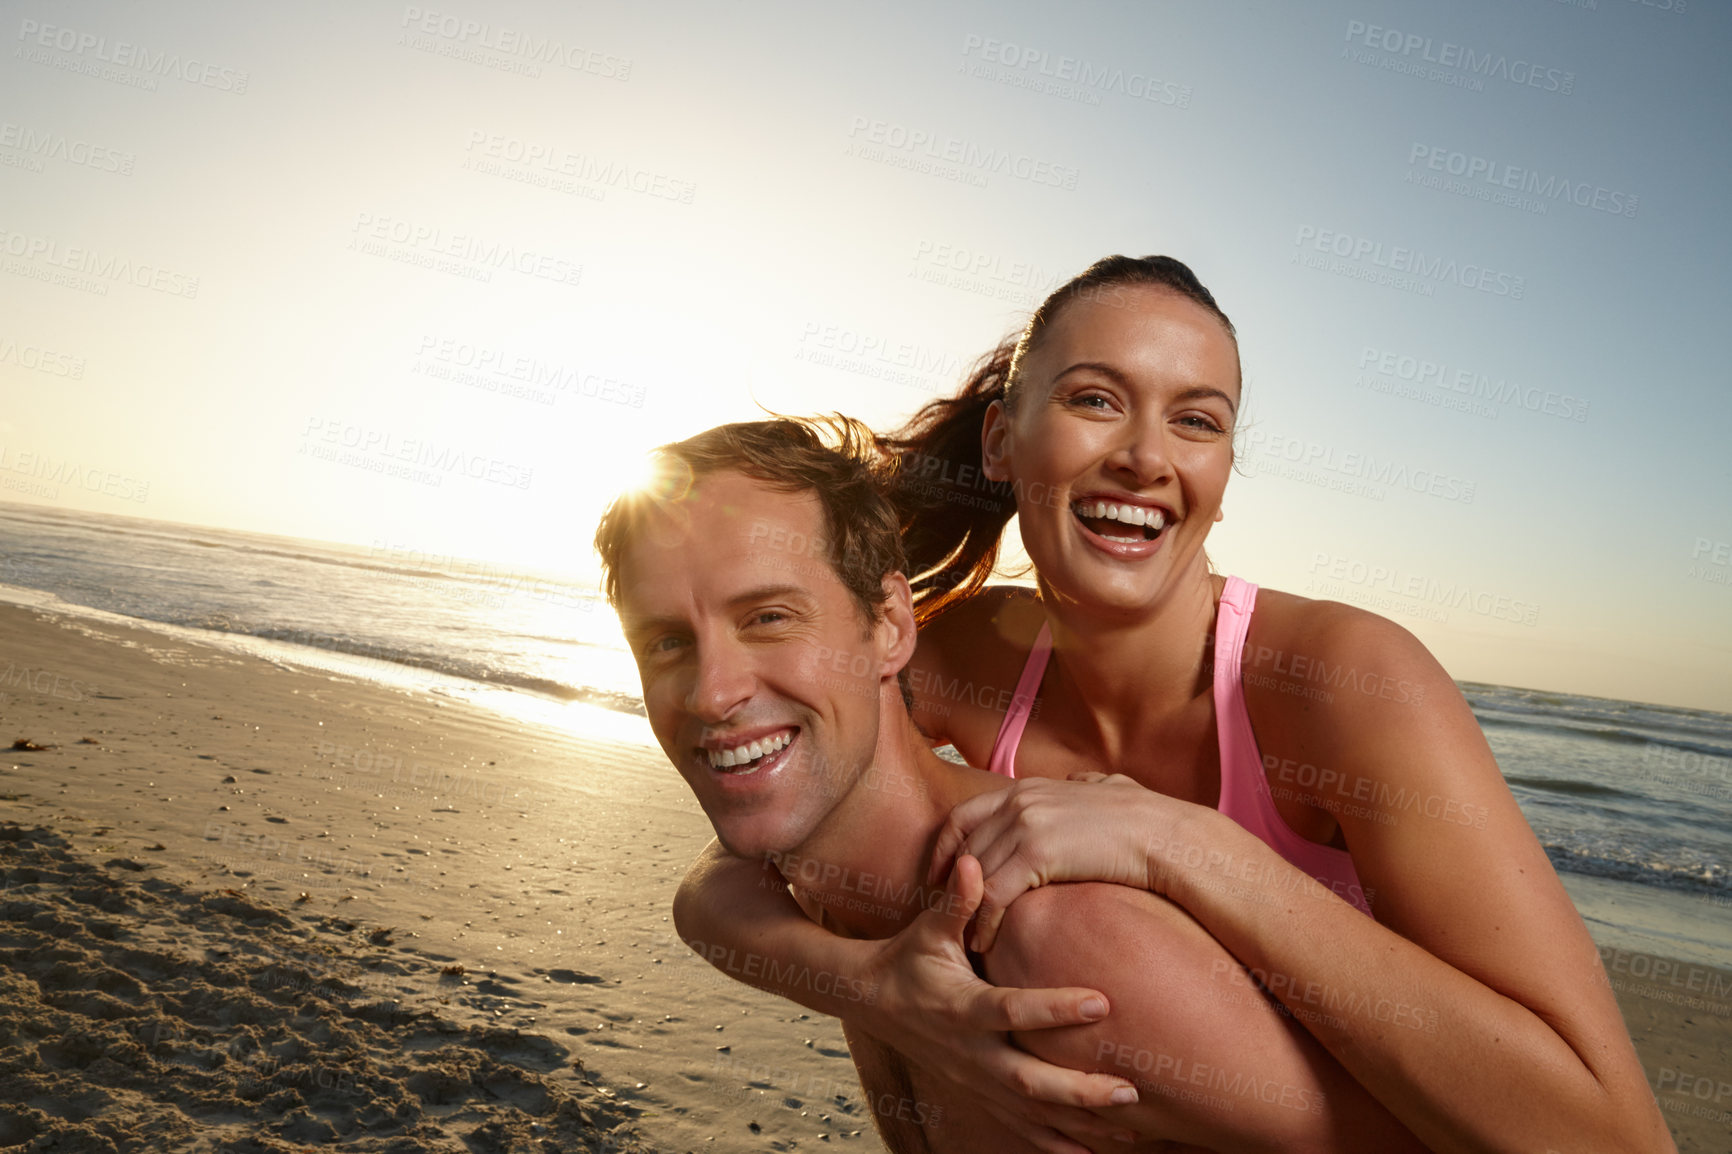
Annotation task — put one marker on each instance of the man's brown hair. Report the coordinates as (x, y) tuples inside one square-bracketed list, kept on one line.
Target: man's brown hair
[(835, 458)]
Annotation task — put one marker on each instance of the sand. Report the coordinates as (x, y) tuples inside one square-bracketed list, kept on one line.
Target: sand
[(250, 907)]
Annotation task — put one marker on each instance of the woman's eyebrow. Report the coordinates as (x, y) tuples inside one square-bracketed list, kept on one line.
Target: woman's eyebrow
[(1196, 392), (1119, 377)]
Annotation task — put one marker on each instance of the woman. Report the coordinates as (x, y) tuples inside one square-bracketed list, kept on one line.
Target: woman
[(1108, 429)]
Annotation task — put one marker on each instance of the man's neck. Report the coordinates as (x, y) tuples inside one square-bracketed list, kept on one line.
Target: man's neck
[(866, 865)]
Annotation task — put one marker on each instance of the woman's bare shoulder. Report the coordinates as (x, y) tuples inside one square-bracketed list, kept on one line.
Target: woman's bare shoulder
[(999, 621), (968, 660), (1300, 651)]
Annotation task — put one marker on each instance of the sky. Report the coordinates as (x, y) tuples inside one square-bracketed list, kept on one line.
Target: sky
[(434, 277)]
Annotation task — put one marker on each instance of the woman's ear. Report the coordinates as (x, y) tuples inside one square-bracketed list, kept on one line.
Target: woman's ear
[(995, 443)]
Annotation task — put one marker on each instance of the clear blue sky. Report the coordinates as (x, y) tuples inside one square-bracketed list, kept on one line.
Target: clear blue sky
[(281, 268)]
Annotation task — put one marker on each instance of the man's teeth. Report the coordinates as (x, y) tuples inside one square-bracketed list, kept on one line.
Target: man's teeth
[(1134, 515), (749, 752)]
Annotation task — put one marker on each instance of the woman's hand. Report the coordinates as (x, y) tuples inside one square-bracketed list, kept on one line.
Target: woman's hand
[(931, 1007), (1090, 828)]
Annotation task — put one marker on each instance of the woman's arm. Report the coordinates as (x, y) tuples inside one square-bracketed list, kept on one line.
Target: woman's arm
[(1474, 1007), (915, 991)]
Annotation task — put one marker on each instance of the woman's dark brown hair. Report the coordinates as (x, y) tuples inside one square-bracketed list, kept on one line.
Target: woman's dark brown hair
[(952, 517)]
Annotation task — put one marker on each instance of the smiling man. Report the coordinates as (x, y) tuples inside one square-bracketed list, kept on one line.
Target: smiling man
[(759, 583)]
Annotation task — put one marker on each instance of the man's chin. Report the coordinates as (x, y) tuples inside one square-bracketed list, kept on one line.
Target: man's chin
[(757, 838)]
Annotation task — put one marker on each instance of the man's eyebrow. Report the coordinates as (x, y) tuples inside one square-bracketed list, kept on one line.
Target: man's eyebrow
[(631, 623), (1118, 377), (769, 593)]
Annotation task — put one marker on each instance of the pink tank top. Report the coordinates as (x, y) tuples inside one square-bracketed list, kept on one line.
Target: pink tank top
[(1245, 794)]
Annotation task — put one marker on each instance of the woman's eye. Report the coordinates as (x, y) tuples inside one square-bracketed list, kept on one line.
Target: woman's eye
[(1091, 401), (1207, 423)]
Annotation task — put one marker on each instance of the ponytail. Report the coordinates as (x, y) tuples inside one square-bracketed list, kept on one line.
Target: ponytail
[(952, 517)]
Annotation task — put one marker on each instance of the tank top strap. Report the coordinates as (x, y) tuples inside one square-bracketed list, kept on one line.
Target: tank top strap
[(1009, 737), (1245, 793), (1232, 722)]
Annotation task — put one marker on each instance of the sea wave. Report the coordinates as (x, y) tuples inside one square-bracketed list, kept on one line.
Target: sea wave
[(1600, 732), (1707, 880)]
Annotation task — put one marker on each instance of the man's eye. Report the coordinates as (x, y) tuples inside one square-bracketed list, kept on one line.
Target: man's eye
[(768, 616), (663, 645)]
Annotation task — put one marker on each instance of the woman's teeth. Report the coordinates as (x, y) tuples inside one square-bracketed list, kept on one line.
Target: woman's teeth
[(740, 756), (1136, 516)]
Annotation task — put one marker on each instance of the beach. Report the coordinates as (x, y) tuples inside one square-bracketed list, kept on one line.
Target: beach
[(255, 907), (214, 790)]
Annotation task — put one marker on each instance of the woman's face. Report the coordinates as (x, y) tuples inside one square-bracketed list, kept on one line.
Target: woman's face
[(1120, 444)]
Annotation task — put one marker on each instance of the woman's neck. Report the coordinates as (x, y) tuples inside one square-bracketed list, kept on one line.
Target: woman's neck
[(1126, 679)]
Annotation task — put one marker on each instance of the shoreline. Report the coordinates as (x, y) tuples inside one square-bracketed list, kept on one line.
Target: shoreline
[(541, 860)]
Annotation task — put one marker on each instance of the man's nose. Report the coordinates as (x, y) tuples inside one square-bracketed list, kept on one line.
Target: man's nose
[(722, 682)]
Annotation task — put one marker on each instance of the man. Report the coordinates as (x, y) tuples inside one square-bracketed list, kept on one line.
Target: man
[(759, 585)]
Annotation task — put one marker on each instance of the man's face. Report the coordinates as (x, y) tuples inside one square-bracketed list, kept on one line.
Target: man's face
[(760, 676)]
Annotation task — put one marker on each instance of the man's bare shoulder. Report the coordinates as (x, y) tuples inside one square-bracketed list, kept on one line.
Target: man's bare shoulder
[(1082, 933)]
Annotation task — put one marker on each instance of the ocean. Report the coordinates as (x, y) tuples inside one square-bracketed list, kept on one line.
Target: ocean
[(1633, 802)]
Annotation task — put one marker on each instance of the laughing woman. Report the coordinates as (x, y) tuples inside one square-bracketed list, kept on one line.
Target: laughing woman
[(1405, 915)]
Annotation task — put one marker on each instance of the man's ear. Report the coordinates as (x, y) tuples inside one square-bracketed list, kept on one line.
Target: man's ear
[(895, 628), (995, 443)]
